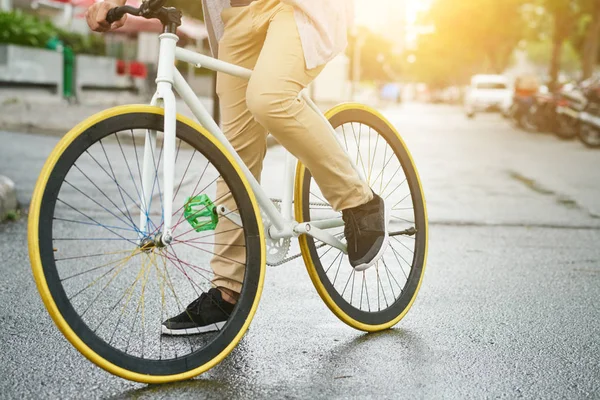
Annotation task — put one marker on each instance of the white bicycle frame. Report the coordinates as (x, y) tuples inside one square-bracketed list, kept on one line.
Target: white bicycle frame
[(169, 78)]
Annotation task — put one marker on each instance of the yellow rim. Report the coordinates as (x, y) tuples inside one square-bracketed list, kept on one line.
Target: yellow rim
[(308, 261), (36, 263)]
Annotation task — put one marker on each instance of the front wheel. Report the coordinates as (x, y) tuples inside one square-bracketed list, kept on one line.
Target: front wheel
[(106, 281), (379, 297)]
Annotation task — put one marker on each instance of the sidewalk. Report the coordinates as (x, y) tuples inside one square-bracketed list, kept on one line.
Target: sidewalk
[(42, 113)]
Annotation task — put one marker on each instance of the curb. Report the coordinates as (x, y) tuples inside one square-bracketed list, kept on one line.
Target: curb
[(8, 197)]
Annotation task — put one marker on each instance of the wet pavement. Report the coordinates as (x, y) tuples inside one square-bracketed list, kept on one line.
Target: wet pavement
[(508, 308)]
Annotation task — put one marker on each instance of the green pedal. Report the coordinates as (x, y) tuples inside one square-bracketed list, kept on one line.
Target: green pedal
[(201, 213)]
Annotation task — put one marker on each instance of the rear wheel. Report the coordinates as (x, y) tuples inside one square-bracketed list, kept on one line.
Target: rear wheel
[(379, 297), (104, 280)]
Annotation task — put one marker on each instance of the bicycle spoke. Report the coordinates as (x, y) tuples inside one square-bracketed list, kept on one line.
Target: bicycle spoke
[(406, 247), (387, 271), (96, 268), (358, 156), (396, 254), (338, 269), (96, 222), (101, 206), (128, 168), (115, 180), (104, 194), (333, 262)]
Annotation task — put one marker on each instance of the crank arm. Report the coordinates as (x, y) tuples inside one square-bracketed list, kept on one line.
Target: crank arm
[(319, 234)]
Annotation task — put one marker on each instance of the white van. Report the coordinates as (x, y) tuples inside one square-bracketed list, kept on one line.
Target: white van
[(487, 93)]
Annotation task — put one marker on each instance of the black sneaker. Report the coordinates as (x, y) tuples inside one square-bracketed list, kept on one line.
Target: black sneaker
[(208, 313), (366, 233)]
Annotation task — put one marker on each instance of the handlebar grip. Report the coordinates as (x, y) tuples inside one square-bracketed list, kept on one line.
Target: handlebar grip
[(115, 14)]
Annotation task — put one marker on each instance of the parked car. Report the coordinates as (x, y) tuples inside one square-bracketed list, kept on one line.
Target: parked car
[(487, 93)]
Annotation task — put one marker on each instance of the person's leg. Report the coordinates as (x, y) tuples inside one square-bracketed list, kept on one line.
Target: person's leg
[(240, 45), (279, 75)]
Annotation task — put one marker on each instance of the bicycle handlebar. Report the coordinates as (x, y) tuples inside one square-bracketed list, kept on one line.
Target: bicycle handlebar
[(170, 17), (147, 8), (115, 14)]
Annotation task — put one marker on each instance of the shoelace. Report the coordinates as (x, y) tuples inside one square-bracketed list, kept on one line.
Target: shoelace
[(196, 304)]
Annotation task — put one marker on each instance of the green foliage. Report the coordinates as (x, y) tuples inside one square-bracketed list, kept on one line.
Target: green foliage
[(469, 37), (540, 53), (23, 29), (377, 59), (83, 44), (13, 215)]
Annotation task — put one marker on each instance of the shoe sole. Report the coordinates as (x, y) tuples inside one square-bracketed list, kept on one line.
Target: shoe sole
[(384, 245), (193, 331)]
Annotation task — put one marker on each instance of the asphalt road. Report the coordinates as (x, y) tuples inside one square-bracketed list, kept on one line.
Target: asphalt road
[(509, 305)]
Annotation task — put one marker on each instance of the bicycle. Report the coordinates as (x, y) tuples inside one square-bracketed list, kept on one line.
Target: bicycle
[(90, 257)]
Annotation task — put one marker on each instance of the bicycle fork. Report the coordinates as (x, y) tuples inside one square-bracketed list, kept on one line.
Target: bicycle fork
[(165, 95)]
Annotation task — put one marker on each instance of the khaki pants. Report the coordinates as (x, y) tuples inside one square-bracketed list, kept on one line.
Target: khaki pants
[(263, 36)]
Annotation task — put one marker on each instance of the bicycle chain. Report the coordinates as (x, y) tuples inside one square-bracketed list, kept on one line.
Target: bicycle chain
[(295, 256), (291, 258)]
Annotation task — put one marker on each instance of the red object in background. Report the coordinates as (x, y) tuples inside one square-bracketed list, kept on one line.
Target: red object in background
[(135, 69), (121, 67), (525, 92), (138, 70)]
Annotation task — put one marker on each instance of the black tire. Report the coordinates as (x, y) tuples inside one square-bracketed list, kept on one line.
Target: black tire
[(340, 302), (566, 127), (55, 259), (528, 121), (590, 136)]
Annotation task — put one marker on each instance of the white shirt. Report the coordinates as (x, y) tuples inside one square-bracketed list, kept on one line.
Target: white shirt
[(322, 25)]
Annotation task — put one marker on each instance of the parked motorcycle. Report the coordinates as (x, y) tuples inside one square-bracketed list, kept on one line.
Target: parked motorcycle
[(519, 112), (570, 104), (542, 115), (523, 99), (589, 129)]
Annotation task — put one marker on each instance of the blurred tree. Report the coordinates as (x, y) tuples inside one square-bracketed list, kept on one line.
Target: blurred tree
[(564, 34), (378, 62), (539, 52), (591, 40), (565, 14), (469, 36)]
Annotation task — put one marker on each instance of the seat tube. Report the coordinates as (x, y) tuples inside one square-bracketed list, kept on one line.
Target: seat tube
[(288, 186)]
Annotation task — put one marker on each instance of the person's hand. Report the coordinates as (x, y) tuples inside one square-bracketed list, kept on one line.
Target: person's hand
[(96, 17)]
